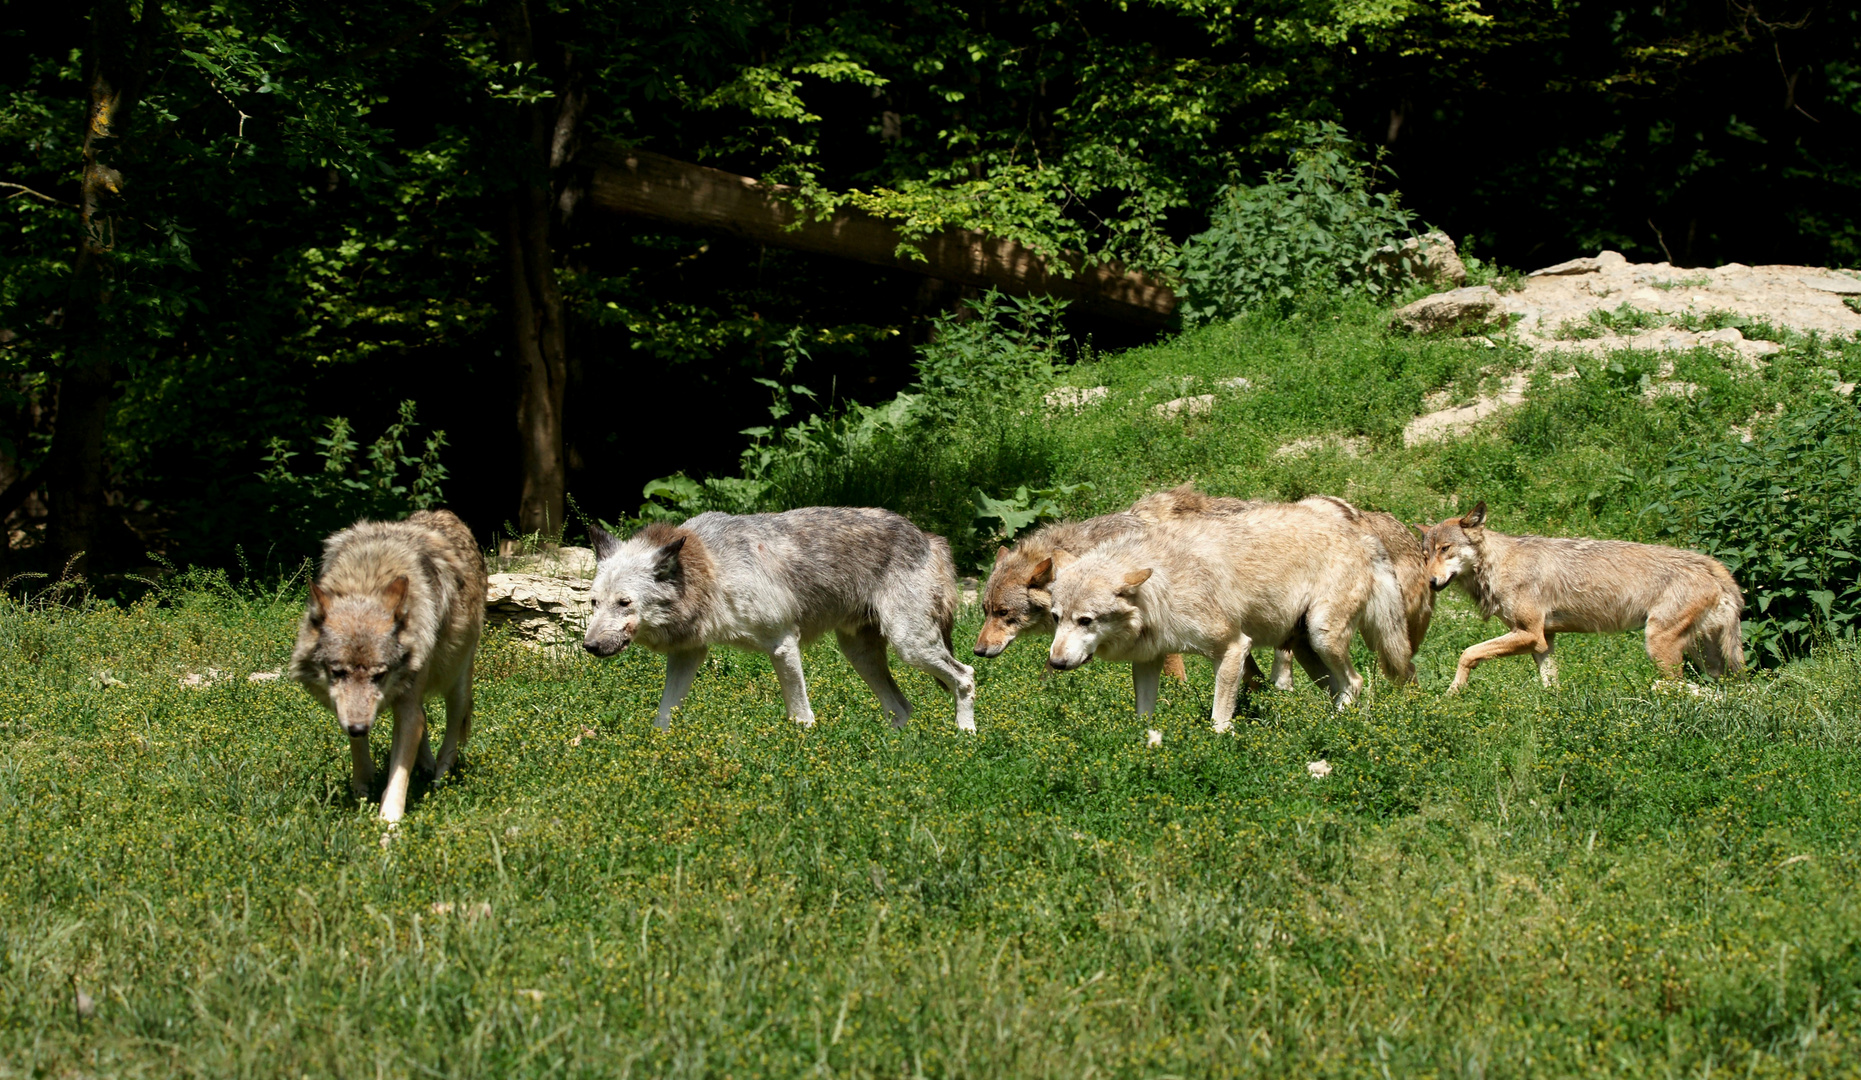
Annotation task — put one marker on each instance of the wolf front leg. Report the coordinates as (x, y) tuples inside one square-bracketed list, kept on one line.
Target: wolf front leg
[(1228, 672), (1146, 675), (458, 722), (786, 657), (362, 767), (1523, 640), (409, 738), (681, 668)]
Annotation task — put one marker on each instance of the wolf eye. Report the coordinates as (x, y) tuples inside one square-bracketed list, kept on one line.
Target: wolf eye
[(623, 603), (1084, 620), (339, 673)]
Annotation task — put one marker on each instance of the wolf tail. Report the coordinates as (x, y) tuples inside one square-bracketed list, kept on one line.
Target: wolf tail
[(1721, 626), (1385, 624), (943, 599)]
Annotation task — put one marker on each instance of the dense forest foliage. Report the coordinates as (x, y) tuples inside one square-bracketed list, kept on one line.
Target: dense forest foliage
[(258, 256)]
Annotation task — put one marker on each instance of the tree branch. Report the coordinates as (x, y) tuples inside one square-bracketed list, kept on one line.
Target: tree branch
[(21, 189), (407, 34), (19, 490)]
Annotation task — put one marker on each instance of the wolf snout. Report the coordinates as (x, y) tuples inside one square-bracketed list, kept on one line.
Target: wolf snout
[(1064, 664), (991, 650), (356, 731), (604, 647)]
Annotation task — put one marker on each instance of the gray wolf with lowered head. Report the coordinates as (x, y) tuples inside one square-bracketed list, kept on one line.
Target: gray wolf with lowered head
[(773, 583), (1542, 586), (1218, 585), (395, 615)]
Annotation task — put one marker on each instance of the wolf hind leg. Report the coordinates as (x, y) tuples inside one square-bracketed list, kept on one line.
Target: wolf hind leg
[(865, 650), (1330, 646), (928, 654), (458, 722), (1146, 676), (681, 668)]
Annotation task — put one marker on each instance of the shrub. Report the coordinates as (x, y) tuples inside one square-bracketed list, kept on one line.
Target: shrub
[(1314, 229), (964, 427), (383, 481), (1782, 512)]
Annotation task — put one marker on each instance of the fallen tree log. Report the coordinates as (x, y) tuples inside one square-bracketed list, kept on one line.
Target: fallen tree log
[(642, 184)]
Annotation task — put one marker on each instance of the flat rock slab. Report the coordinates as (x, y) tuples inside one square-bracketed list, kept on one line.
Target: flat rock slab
[(541, 608), (1801, 298)]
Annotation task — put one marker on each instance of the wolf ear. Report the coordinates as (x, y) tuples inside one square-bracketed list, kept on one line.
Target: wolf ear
[(667, 566), (1063, 559), (395, 596), (1042, 575), (1000, 554), (604, 541), (1475, 518), (1132, 580), (319, 604)]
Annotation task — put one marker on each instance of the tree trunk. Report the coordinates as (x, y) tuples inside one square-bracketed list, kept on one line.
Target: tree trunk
[(642, 184), (546, 132), (115, 71)]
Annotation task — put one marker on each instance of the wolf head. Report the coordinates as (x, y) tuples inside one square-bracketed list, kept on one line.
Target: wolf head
[(358, 661), (1093, 605), (637, 582), (1452, 547), (1014, 601)]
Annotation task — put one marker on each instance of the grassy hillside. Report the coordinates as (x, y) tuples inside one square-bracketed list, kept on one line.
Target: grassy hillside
[(1601, 879)]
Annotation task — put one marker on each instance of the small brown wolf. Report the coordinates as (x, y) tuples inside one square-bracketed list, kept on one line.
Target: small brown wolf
[(395, 615), (1544, 586)]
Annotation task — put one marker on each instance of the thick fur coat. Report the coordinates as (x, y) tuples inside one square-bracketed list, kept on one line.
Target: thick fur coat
[(1542, 586), (773, 583), (395, 615), (1215, 585)]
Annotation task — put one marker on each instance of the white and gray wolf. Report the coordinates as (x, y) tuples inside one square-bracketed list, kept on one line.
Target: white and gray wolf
[(1216, 585), (772, 583), (395, 615), (1542, 586)]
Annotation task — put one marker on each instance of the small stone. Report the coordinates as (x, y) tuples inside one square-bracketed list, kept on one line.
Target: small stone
[(264, 676), (1318, 769), (1479, 305), (1185, 406), (1153, 737), (1075, 397), (86, 1006)]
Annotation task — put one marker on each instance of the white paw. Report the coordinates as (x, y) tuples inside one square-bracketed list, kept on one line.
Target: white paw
[(1222, 727), (804, 722), (965, 725)]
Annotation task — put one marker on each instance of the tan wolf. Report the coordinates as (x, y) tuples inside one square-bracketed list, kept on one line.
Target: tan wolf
[(1216, 585), (394, 617), (1399, 541), (1543, 586), (1012, 606)]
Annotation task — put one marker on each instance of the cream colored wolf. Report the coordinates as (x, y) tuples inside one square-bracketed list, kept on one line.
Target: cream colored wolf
[(1216, 585), (1399, 542), (1012, 606), (1543, 586), (395, 615)]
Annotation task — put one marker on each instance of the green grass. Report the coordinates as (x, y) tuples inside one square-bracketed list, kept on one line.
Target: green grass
[(1600, 879), (1512, 882)]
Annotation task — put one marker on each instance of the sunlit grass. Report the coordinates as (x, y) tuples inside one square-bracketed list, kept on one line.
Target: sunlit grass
[(1601, 878)]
